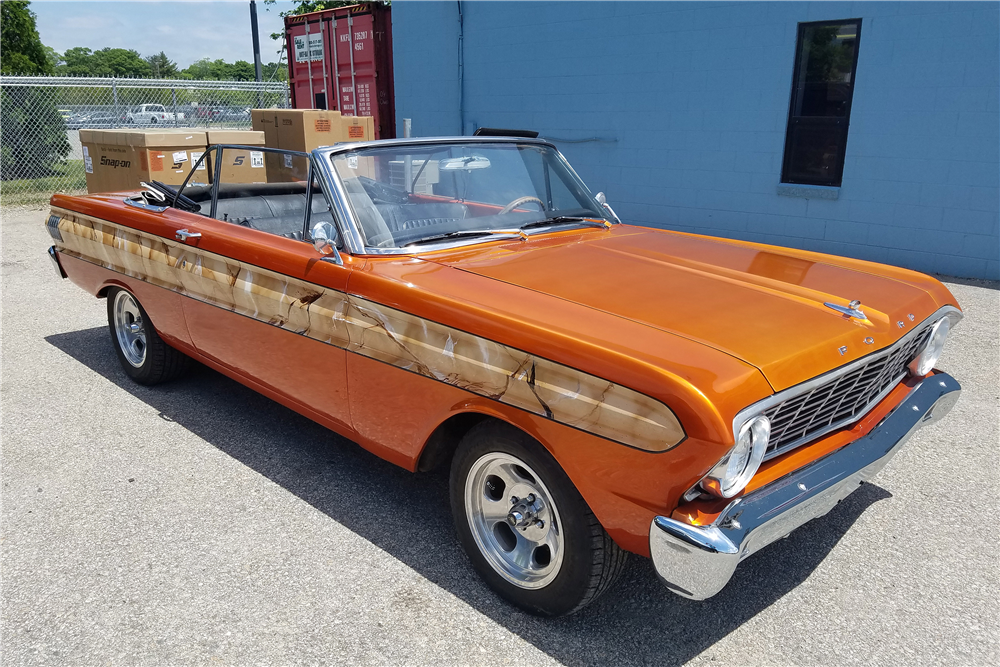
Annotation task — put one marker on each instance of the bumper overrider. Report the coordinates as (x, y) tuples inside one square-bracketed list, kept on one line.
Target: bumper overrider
[(697, 561)]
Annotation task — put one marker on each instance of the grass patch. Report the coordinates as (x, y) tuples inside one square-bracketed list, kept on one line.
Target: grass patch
[(68, 177)]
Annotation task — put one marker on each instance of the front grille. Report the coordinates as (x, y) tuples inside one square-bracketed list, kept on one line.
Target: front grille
[(842, 400)]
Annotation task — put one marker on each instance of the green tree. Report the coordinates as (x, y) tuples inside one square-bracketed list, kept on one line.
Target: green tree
[(275, 71), (54, 58), (81, 61), (32, 134), (307, 6), (161, 67), (21, 50)]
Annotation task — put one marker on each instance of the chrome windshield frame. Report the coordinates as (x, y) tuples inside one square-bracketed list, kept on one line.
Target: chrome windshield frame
[(354, 241)]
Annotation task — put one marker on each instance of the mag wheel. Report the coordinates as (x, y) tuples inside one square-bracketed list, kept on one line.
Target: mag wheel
[(142, 353), (524, 526)]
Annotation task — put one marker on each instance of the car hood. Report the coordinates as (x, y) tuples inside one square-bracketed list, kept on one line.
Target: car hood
[(761, 304)]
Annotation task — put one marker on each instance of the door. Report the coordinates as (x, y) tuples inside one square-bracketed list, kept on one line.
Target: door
[(265, 300)]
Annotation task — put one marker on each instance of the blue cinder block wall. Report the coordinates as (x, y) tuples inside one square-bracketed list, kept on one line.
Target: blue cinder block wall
[(677, 111)]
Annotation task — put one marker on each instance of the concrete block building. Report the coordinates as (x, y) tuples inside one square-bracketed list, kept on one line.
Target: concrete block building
[(864, 129)]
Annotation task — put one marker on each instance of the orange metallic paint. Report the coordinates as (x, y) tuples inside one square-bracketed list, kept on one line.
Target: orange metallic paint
[(162, 306), (718, 293), (670, 344)]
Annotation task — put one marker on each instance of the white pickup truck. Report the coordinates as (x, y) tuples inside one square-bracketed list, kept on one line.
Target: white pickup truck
[(151, 114)]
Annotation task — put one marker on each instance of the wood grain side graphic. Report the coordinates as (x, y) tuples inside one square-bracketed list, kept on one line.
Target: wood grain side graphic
[(403, 340)]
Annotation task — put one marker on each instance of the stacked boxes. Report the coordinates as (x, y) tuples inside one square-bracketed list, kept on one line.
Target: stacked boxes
[(303, 130), (116, 160)]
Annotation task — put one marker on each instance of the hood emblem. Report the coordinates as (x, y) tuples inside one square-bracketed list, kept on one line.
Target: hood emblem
[(851, 310)]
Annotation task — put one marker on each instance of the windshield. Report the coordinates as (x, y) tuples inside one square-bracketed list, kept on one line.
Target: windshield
[(407, 195)]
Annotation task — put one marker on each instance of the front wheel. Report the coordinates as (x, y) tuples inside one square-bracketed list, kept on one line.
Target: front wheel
[(525, 527), (142, 353)]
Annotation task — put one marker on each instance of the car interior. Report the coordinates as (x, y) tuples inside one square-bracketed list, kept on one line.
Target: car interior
[(276, 208)]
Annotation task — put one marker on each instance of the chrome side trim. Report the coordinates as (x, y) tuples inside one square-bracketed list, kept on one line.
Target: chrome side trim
[(697, 562), (746, 413)]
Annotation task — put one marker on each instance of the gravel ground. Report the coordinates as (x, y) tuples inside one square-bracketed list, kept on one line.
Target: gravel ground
[(200, 523)]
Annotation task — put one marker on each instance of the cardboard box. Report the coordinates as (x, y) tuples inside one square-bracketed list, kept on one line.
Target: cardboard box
[(303, 130), (167, 156), (107, 164), (285, 168), (266, 121), (238, 166), (116, 160), (306, 129), (358, 128)]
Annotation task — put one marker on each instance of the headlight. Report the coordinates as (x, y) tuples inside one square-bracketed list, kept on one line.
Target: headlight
[(927, 357), (735, 471)]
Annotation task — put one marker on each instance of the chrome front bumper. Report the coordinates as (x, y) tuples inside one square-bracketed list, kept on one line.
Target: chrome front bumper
[(698, 561)]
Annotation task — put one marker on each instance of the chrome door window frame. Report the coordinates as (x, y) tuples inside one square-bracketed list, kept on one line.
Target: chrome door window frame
[(354, 241), (313, 161)]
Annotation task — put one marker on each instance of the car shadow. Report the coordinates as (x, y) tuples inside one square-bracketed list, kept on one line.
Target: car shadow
[(408, 516)]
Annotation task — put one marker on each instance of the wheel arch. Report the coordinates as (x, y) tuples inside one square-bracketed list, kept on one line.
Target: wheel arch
[(440, 446)]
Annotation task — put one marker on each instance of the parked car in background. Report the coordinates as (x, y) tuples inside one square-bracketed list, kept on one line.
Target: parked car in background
[(98, 119), (152, 114), (596, 388), (222, 114)]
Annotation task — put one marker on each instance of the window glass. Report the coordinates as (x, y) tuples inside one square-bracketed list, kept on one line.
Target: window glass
[(822, 92), (405, 194), (262, 190)]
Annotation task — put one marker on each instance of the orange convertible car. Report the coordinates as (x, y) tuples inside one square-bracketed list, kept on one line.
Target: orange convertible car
[(597, 388)]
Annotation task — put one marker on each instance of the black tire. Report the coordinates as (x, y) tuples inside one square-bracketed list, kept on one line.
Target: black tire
[(590, 560), (142, 353)]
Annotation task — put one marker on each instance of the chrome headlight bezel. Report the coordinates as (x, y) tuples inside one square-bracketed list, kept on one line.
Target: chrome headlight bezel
[(928, 356), (731, 474)]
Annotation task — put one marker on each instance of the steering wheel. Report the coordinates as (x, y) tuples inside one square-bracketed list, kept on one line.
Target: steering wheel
[(521, 200)]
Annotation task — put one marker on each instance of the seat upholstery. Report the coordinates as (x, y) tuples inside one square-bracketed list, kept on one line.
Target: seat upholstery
[(275, 214), (410, 216)]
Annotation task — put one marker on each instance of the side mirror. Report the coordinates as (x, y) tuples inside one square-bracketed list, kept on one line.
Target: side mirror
[(603, 201), (321, 240)]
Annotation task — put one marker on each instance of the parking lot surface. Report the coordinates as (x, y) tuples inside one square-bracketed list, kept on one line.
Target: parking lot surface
[(201, 523)]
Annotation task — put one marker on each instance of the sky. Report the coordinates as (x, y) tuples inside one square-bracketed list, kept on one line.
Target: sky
[(186, 31)]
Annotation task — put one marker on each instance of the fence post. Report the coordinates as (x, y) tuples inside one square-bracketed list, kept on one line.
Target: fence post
[(114, 93), (173, 92)]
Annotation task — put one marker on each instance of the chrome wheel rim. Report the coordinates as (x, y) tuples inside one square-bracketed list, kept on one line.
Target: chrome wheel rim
[(514, 521), (130, 329)]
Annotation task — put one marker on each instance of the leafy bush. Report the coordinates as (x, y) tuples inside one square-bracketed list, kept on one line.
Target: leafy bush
[(33, 134)]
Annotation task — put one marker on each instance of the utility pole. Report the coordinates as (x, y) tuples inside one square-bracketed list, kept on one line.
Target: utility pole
[(258, 73)]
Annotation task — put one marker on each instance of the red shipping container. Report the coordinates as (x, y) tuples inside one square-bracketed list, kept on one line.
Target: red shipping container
[(341, 59)]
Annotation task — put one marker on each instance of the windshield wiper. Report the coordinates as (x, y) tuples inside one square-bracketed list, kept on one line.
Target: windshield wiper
[(559, 219), (468, 233)]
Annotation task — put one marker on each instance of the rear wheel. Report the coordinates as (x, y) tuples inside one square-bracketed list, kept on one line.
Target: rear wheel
[(525, 527), (142, 353)]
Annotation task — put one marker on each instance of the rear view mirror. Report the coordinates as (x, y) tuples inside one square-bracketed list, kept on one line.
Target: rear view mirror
[(460, 163)]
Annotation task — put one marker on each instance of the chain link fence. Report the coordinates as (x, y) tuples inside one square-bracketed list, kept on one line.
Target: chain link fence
[(40, 119)]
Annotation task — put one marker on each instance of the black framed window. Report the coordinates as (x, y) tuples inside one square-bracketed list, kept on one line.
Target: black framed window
[(826, 60)]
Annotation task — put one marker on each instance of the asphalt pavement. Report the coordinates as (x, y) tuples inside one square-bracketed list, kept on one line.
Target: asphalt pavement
[(201, 523)]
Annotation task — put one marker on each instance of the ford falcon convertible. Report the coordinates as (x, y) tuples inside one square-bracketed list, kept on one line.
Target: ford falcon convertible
[(596, 388)]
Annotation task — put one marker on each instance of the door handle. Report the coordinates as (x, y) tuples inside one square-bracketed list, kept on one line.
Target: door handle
[(184, 235)]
